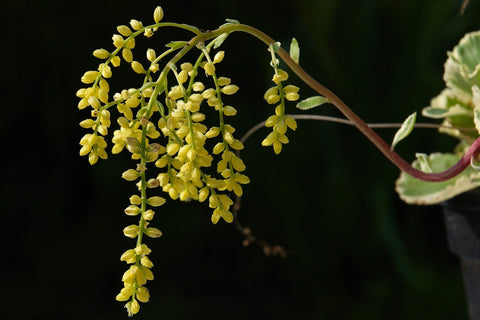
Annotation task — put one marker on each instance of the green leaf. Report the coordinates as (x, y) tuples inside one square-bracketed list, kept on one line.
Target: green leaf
[(295, 51), (405, 129), (232, 21), (435, 113), (219, 40), (420, 192), (176, 44), (311, 102), (424, 162), (463, 66), (476, 110)]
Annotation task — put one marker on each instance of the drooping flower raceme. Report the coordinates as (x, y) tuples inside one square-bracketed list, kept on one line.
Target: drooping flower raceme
[(277, 95), (161, 125)]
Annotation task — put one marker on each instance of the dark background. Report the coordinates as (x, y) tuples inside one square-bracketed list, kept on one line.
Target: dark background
[(355, 250)]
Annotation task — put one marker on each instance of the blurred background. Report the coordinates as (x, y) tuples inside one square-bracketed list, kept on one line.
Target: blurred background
[(355, 251)]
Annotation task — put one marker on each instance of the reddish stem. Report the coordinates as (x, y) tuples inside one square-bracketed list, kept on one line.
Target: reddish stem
[(384, 147)]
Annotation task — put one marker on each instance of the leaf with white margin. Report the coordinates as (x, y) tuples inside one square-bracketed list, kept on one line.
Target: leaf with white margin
[(311, 102), (295, 51), (415, 191), (476, 110), (463, 66), (405, 129), (422, 158)]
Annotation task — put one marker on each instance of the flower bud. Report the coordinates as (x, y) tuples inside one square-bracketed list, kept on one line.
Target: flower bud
[(128, 256), (88, 123), (101, 54), (142, 250), (142, 294), (209, 68), (124, 30), (290, 122), (115, 61), (229, 111), (89, 76), (153, 183), (132, 307), (182, 76), (130, 43), (137, 67), (198, 86), (203, 194), (106, 71), (151, 55), (219, 57), (132, 210), (224, 81), (127, 55), (156, 201), (118, 41), (131, 231), (158, 14), (145, 261), (148, 214), (136, 25), (135, 200), (198, 117), (153, 232), (280, 76), (219, 147), (230, 89), (130, 175)]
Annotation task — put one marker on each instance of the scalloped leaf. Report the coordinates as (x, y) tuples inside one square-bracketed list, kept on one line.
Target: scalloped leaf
[(476, 110), (463, 66), (311, 102), (414, 191)]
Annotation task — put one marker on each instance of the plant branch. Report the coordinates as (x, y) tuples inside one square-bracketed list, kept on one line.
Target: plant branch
[(356, 120)]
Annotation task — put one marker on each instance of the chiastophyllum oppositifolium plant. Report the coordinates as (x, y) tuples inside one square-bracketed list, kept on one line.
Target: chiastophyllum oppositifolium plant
[(459, 107), (161, 123)]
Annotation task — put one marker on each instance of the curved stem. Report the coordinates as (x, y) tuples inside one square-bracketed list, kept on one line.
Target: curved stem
[(356, 120)]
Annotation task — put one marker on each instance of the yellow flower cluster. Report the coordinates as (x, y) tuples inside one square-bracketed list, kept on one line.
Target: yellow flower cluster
[(97, 95), (280, 122), (161, 125), (139, 272)]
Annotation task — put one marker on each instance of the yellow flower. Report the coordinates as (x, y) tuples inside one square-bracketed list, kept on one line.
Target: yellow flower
[(280, 76), (132, 307)]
